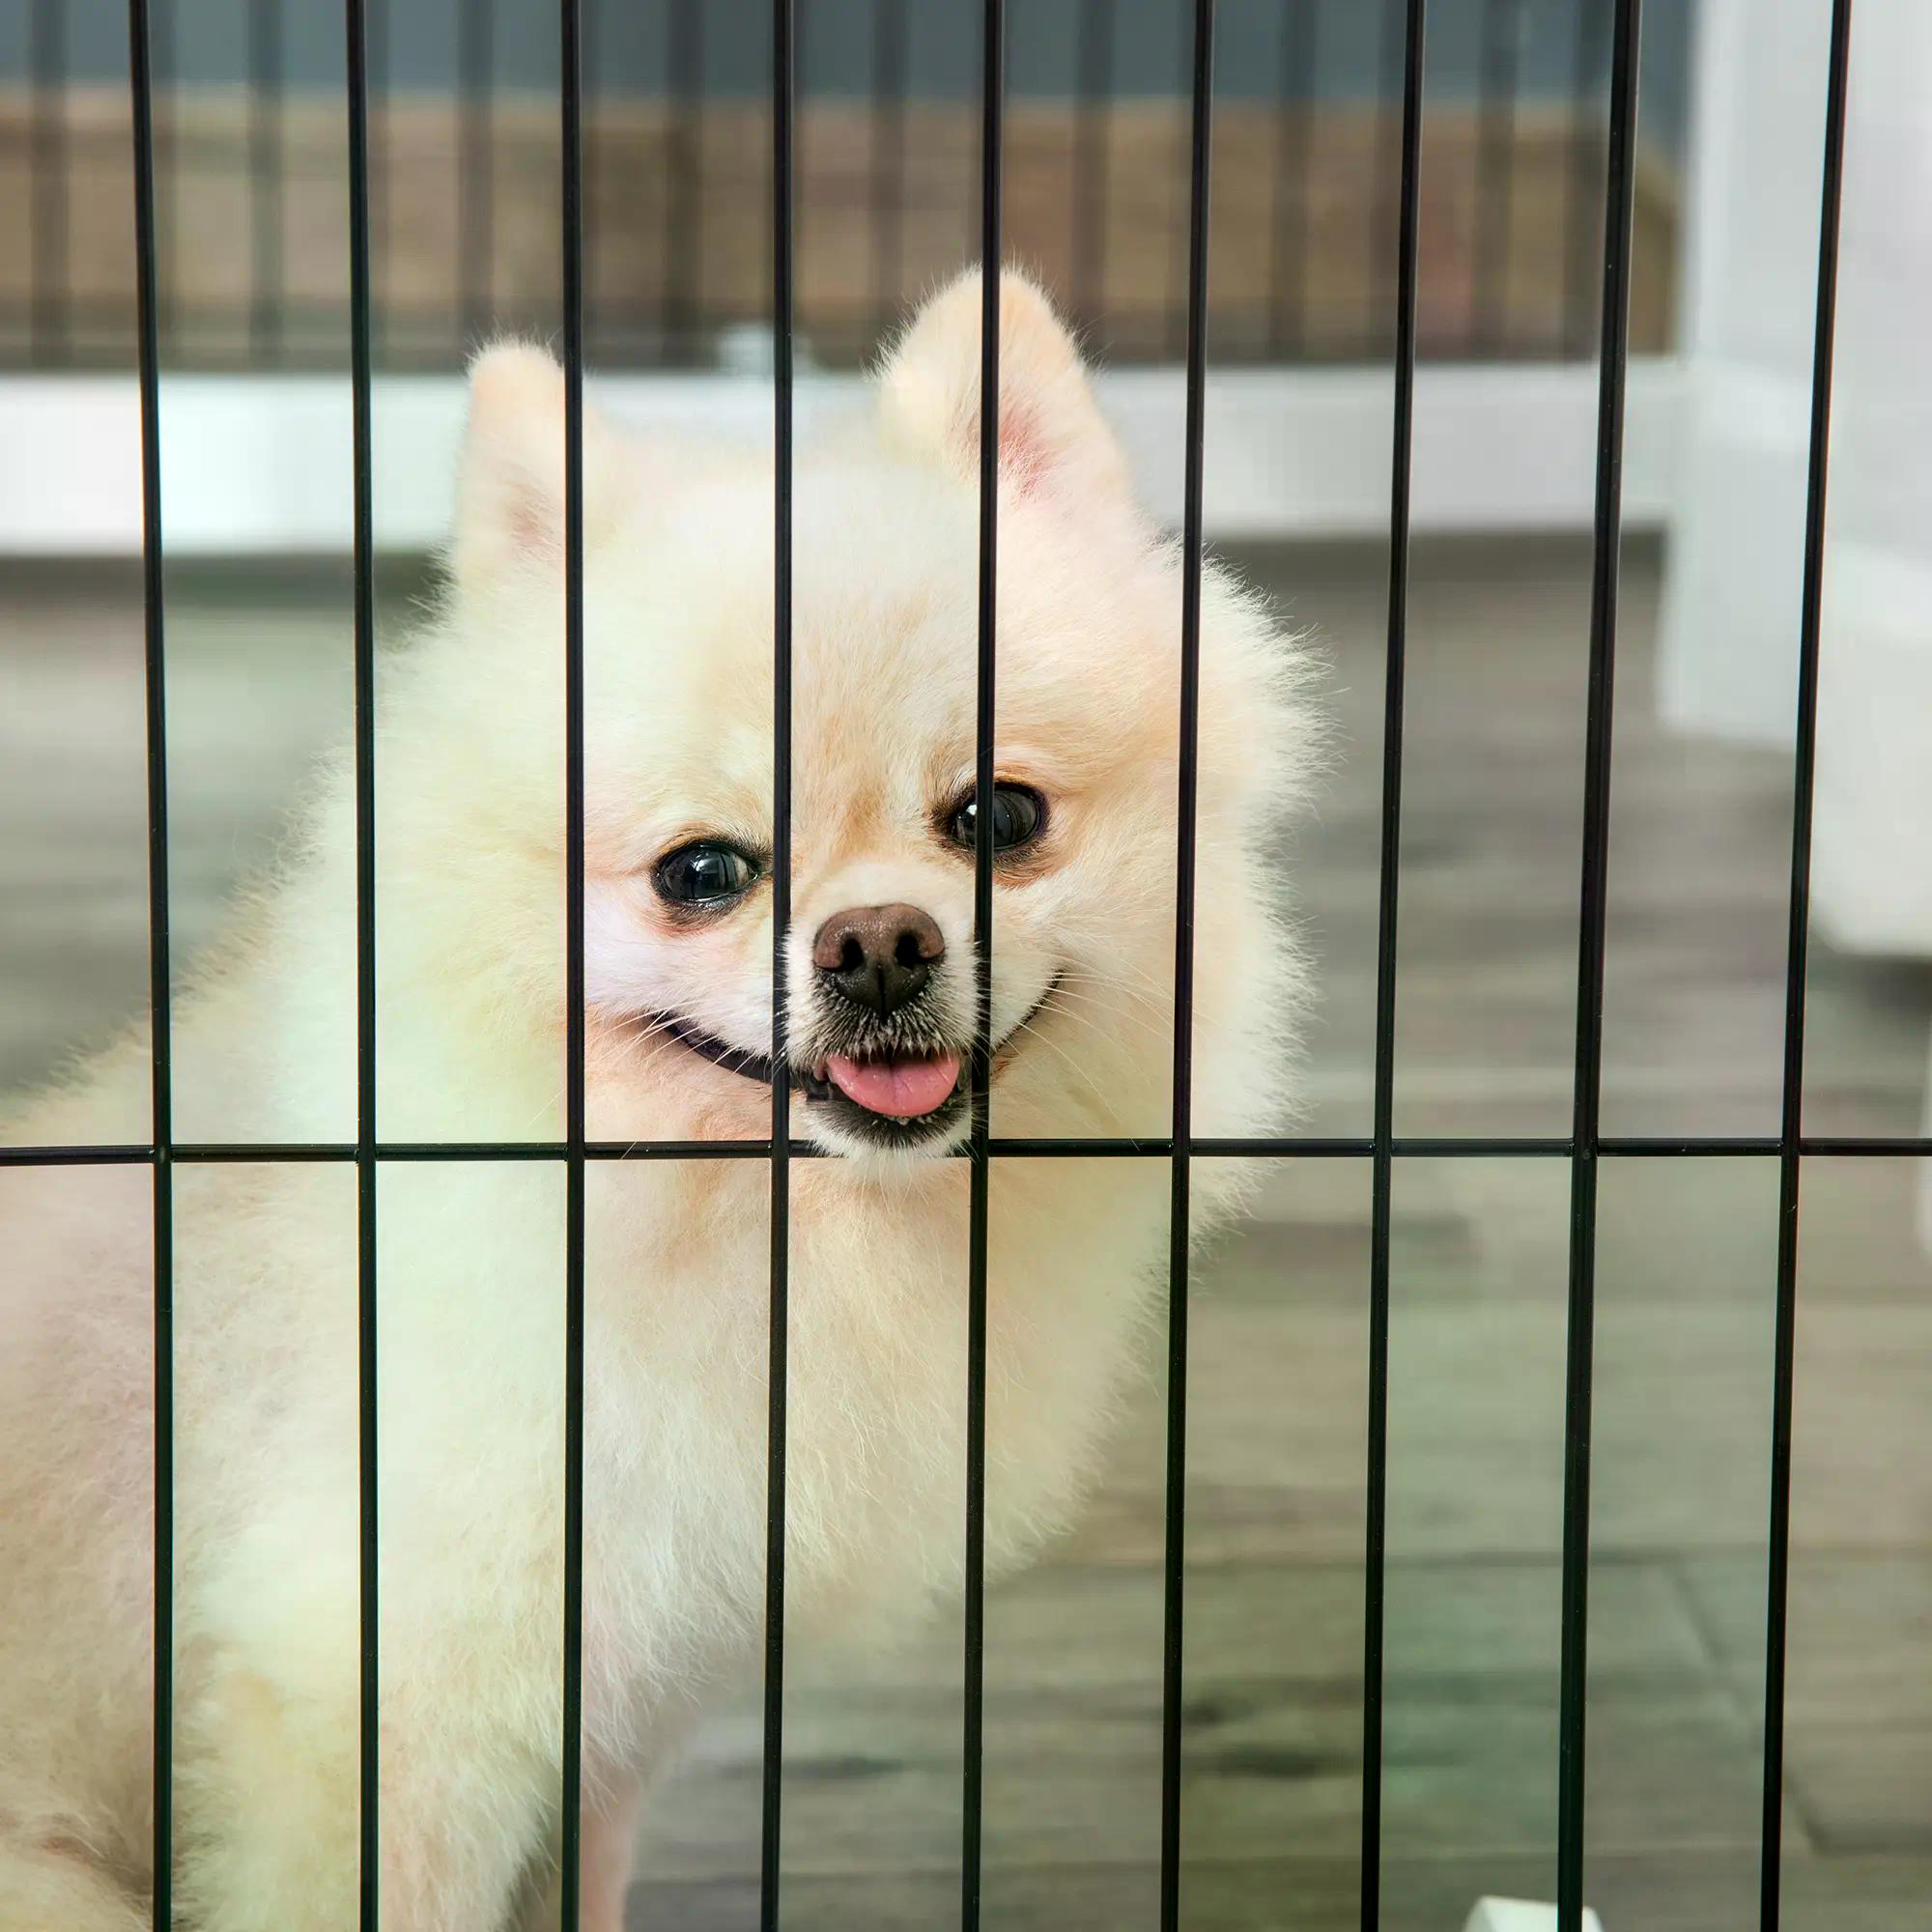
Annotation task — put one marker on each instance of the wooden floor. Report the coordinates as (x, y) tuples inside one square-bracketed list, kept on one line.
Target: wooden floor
[(1271, 1788)]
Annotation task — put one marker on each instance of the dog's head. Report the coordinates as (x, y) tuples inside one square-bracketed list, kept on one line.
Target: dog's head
[(880, 961)]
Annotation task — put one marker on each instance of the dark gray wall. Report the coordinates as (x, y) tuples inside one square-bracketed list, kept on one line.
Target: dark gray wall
[(1358, 50)]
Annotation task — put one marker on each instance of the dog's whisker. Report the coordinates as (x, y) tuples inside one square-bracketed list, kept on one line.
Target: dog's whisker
[(1053, 1047), (1109, 1000), (1073, 1002), (1126, 975)]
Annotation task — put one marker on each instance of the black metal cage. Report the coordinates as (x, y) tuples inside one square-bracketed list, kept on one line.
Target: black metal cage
[(1584, 1148)]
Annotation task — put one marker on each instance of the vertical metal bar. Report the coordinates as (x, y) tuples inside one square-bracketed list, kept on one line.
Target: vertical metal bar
[(1382, 1176), (362, 515), (1094, 59), (160, 1002), (1177, 316), (1382, 228), (784, 77), (477, 173), (162, 56), (1578, 238), (571, 92), (596, 171), (684, 228), (1181, 1174), (1496, 174), (265, 178), (887, 160), (47, 165), (595, 150), (992, 186), (1803, 762), (380, 200), (1573, 1693), (1294, 141)]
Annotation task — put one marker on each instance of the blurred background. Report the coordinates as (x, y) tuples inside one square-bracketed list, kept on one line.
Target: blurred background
[(251, 162), (678, 165)]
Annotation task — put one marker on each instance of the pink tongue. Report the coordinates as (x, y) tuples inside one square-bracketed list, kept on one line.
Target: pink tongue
[(905, 1087)]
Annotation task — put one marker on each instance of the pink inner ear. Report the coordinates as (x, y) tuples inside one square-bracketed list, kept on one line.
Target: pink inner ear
[(1023, 459), (529, 527)]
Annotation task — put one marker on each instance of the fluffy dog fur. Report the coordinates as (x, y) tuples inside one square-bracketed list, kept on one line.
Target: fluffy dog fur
[(678, 598)]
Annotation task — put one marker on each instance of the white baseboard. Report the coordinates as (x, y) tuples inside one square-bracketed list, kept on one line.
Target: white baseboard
[(259, 464)]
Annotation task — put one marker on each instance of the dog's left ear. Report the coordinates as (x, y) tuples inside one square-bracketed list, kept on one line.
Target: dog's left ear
[(509, 508), (1053, 439)]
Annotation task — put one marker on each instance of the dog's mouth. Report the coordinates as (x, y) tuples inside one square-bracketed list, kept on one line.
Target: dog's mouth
[(894, 1100), (898, 1087), (889, 1095)]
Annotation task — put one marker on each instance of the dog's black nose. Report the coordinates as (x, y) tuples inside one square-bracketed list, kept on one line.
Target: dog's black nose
[(879, 957)]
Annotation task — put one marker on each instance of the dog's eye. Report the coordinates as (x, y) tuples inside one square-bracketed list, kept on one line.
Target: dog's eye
[(1018, 815), (707, 872)]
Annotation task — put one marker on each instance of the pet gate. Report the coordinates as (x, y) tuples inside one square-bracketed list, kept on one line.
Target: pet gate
[(673, 312)]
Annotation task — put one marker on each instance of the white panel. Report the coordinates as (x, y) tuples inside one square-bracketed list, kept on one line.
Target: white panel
[(259, 465)]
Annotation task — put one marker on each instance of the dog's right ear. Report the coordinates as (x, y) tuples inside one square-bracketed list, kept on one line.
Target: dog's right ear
[(509, 496), (1053, 439)]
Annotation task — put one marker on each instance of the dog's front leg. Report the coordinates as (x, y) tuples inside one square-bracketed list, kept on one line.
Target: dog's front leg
[(610, 1840), (610, 1833), (268, 1812)]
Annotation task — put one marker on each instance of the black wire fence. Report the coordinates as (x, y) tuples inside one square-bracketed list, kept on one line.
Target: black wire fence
[(1584, 1148), (252, 224)]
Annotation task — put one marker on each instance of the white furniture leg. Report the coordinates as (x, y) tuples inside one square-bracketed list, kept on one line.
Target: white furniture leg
[(1728, 651), (1728, 643)]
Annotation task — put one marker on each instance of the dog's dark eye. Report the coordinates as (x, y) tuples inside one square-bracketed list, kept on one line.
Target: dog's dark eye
[(1018, 815), (707, 872)]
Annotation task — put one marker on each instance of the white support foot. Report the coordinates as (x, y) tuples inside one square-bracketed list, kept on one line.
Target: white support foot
[(1522, 1914)]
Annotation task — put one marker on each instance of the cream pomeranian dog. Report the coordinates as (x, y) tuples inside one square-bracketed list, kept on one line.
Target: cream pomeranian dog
[(678, 653)]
